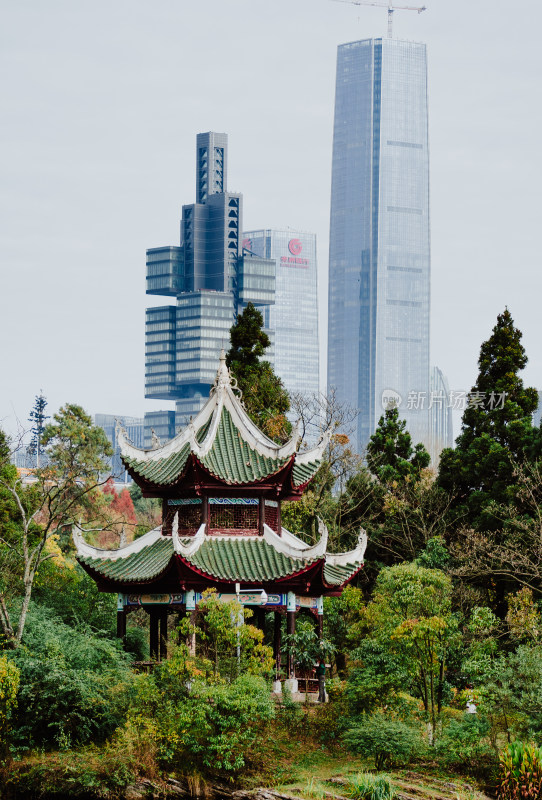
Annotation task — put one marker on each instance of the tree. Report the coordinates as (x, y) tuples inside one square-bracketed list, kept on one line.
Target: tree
[(37, 417), (496, 430), (410, 616), (62, 492), (390, 454), (265, 398)]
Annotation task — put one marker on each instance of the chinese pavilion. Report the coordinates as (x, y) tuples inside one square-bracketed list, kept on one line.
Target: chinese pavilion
[(221, 482)]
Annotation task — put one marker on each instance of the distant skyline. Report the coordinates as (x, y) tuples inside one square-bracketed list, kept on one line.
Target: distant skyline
[(100, 106)]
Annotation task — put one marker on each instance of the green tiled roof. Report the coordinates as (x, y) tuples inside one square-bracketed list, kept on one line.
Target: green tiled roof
[(249, 559), (142, 566), (231, 459), (223, 558), (162, 471), (336, 576), (302, 473)]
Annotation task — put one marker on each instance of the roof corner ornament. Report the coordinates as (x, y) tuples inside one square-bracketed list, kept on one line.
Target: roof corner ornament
[(120, 431), (155, 440)]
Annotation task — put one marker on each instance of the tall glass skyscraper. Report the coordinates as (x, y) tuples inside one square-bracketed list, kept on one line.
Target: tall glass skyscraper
[(293, 318), (379, 258)]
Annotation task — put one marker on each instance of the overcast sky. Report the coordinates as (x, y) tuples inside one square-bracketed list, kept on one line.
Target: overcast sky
[(100, 106)]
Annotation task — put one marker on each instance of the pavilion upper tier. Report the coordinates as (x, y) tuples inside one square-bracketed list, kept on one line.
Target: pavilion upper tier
[(222, 453)]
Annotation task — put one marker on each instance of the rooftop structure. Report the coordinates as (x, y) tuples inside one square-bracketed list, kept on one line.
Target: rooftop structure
[(221, 482)]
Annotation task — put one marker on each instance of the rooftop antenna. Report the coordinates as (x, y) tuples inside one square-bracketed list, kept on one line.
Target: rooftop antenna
[(391, 8)]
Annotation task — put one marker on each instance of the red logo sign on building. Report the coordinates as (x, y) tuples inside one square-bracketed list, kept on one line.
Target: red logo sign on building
[(295, 247), (247, 244)]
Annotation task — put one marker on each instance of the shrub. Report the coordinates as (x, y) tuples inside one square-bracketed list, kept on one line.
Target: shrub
[(9, 684), (465, 746), (203, 727), (366, 786), (388, 741), (74, 685), (92, 772), (520, 772)]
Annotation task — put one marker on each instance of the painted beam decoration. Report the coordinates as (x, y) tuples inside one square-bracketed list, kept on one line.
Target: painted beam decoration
[(257, 597)]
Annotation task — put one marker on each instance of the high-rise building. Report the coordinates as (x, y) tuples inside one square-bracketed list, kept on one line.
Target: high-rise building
[(212, 279), (379, 256), (293, 318), (133, 427), (440, 416)]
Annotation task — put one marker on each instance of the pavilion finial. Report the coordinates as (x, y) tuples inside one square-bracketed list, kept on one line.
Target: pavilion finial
[(222, 374)]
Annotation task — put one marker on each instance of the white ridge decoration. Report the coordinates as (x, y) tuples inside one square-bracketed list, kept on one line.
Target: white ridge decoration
[(187, 550), (352, 556), (86, 550)]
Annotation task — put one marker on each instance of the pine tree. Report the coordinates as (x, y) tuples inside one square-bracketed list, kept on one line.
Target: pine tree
[(496, 430), (265, 398), (37, 417), (391, 457)]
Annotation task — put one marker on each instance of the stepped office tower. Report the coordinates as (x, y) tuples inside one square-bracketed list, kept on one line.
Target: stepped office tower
[(211, 279), (294, 316), (379, 258)]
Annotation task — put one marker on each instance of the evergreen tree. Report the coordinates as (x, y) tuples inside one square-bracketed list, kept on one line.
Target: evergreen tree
[(37, 417), (496, 430), (265, 398), (391, 457)]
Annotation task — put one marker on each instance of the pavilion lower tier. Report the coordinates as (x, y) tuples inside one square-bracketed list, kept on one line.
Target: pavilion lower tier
[(160, 606)]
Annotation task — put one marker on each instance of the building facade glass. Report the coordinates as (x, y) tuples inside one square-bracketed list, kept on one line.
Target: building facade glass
[(294, 316), (379, 257), (440, 416), (134, 429), (211, 279)]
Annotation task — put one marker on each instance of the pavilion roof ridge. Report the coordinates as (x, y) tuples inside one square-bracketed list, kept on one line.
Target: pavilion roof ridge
[(224, 395)]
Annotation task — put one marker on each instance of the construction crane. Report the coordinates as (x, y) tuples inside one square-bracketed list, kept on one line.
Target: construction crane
[(391, 8)]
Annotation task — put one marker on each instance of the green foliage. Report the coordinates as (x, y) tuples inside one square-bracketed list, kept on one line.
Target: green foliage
[(220, 631), (480, 469), (74, 686), (64, 490), (520, 772), (366, 786), (306, 645), (389, 741), (70, 593), (376, 676), (411, 621), (75, 447), (390, 454), (435, 555), (265, 398), (465, 744), (92, 772), (9, 686), (339, 615), (202, 727)]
